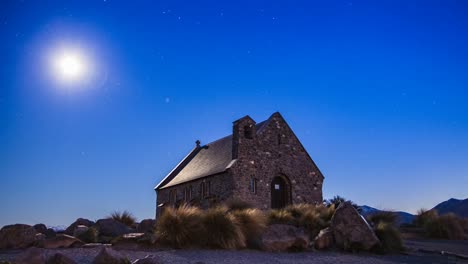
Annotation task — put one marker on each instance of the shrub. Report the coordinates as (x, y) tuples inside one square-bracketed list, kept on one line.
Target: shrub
[(124, 217), (389, 236), (89, 236), (424, 216), (298, 210), (280, 216), (181, 227), (253, 222), (383, 217), (237, 204), (447, 226), (222, 229)]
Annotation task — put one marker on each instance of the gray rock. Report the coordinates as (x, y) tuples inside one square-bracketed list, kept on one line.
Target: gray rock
[(80, 221), (324, 239), (279, 238), (146, 226), (61, 241), (111, 228), (17, 236), (40, 228), (49, 233), (31, 256), (110, 256), (148, 260), (80, 230), (350, 230), (60, 259)]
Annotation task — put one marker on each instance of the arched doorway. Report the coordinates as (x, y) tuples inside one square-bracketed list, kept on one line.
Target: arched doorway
[(280, 192)]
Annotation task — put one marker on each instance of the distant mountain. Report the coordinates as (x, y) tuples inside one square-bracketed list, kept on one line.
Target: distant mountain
[(458, 207), (403, 217)]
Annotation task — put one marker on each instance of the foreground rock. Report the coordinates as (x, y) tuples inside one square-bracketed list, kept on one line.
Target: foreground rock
[(61, 241), (79, 230), (279, 237), (40, 228), (135, 241), (351, 230), (111, 228), (17, 236), (80, 221), (60, 259), (146, 226), (110, 256), (324, 239), (31, 256), (148, 260)]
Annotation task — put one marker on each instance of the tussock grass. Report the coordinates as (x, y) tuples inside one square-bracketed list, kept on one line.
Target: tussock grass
[(89, 236), (387, 217), (280, 216), (389, 236), (253, 222), (181, 228), (222, 229), (124, 217), (447, 226)]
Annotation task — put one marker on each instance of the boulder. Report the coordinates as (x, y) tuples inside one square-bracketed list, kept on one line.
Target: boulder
[(31, 256), (17, 236), (148, 260), (50, 233), (324, 240), (80, 230), (110, 256), (40, 237), (40, 228), (146, 226), (61, 241), (111, 228), (350, 230), (280, 237), (134, 241), (80, 221), (58, 258)]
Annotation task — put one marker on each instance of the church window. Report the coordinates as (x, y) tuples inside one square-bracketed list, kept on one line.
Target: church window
[(248, 132)]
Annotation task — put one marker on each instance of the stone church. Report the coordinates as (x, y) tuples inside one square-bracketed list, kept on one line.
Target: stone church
[(262, 163)]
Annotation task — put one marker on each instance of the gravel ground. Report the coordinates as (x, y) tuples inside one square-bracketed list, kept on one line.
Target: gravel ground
[(85, 256)]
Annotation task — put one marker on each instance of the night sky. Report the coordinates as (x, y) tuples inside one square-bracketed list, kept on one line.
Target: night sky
[(377, 91)]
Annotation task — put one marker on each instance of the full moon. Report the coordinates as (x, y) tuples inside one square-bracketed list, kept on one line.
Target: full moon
[(70, 66)]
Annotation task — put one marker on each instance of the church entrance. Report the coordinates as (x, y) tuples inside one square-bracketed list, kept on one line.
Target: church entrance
[(280, 192)]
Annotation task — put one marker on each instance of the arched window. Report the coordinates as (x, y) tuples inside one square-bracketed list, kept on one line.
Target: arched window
[(248, 132)]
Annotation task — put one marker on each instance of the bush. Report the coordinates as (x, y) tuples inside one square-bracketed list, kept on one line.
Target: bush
[(253, 222), (124, 217), (280, 216), (237, 204), (222, 229), (89, 236), (386, 217), (181, 227), (316, 218), (424, 216), (447, 226), (389, 236)]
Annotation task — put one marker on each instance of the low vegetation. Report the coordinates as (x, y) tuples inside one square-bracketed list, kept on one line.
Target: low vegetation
[(447, 226), (223, 229), (124, 217), (385, 225), (89, 236)]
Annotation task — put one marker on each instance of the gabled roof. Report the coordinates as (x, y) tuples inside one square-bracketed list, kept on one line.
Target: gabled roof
[(213, 158)]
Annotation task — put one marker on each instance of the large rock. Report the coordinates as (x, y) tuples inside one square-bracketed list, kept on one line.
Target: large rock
[(58, 258), (50, 233), (80, 221), (111, 228), (80, 230), (110, 256), (61, 241), (17, 236), (324, 239), (31, 256), (40, 228), (146, 226), (279, 237), (351, 230)]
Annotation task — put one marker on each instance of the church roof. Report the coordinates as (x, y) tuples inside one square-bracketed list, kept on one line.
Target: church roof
[(212, 158)]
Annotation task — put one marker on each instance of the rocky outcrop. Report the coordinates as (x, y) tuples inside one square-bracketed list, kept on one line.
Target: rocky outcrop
[(79, 230), (111, 228), (40, 228), (17, 236), (146, 226), (278, 238), (80, 221), (324, 240), (60, 259), (31, 256), (350, 230), (61, 241), (110, 256)]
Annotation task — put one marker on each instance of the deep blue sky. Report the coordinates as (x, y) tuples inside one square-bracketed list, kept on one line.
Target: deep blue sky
[(377, 91)]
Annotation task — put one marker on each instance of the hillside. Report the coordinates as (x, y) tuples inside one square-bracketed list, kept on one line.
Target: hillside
[(456, 206)]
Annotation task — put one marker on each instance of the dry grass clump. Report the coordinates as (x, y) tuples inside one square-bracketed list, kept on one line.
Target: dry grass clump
[(387, 217), (182, 227), (389, 236), (447, 226), (222, 229), (124, 217), (89, 236), (253, 222), (280, 216)]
